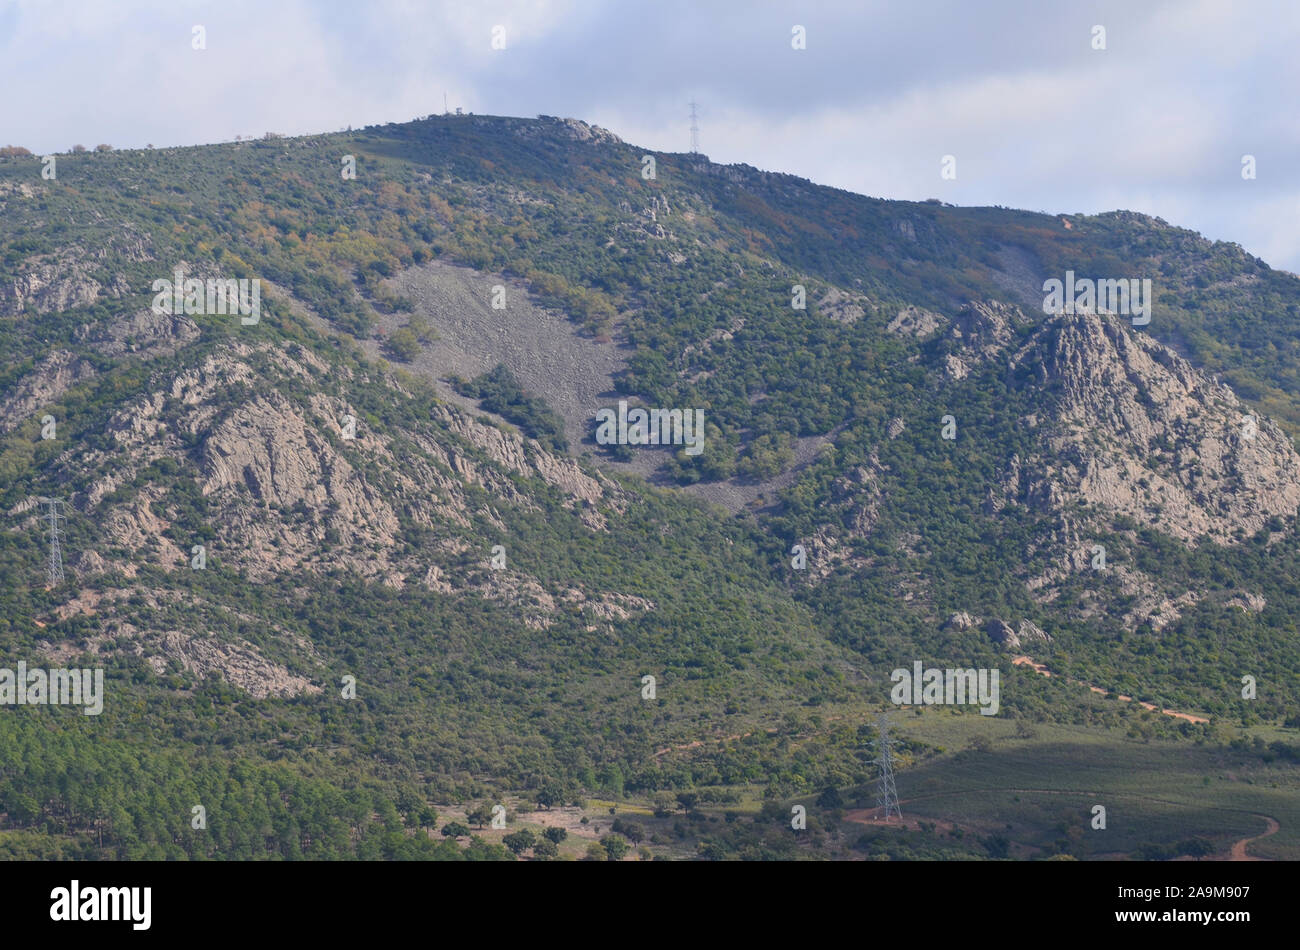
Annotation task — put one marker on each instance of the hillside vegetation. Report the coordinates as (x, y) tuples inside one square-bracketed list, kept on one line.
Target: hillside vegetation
[(496, 586)]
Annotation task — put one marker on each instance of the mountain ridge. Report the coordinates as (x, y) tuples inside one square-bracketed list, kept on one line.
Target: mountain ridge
[(350, 501)]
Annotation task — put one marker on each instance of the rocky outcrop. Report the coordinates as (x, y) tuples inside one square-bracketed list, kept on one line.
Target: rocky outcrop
[(857, 496), (573, 129), (65, 278), (915, 322), (1133, 428), (826, 550), (856, 499), (267, 455), (236, 661), (954, 368), (1011, 638), (51, 284), (984, 329), (514, 452), (262, 427), (143, 331), (19, 189), (999, 631), (842, 307), (239, 664), (45, 384), (961, 621), (1245, 600), (538, 607)]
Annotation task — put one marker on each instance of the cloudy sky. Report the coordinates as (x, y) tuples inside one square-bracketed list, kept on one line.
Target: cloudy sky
[(1158, 121)]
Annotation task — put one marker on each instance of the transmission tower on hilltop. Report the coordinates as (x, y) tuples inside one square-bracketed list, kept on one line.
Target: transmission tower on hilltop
[(886, 793), (54, 568), (695, 131)]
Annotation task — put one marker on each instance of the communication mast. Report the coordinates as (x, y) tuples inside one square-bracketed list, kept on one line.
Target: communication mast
[(886, 793), (695, 131)]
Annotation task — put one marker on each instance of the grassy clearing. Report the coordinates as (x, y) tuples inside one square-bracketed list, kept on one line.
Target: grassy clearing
[(1039, 789)]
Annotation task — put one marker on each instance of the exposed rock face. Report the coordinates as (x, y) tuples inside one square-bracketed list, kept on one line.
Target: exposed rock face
[(1031, 631), (88, 563), (1151, 607), (51, 378), (961, 621), (825, 552), (985, 329), (268, 453), (261, 427), (574, 129), (238, 663), (21, 189), (62, 280), (526, 456), (1124, 426), (137, 526), (51, 284), (235, 660), (856, 499), (1001, 632), (859, 494), (1121, 425), (842, 307), (145, 331), (1135, 429), (580, 131), (538, 606), (1145, 601), (913, 321), (1247, 601)]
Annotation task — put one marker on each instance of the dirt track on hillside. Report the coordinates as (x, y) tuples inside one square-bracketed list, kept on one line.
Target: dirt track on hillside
[(1239, 849), (1040, 668)]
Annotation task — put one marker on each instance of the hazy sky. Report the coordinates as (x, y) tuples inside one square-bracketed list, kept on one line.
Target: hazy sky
[(1013, 89)]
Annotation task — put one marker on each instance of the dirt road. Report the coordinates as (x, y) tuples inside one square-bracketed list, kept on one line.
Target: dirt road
[(1239, 849), (1040, 668)]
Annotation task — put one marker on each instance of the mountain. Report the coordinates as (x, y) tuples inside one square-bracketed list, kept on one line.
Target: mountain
[(359, 554)]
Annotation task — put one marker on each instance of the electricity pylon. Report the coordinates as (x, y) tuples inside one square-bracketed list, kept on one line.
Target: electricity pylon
[(886, 793), (54, 568)]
